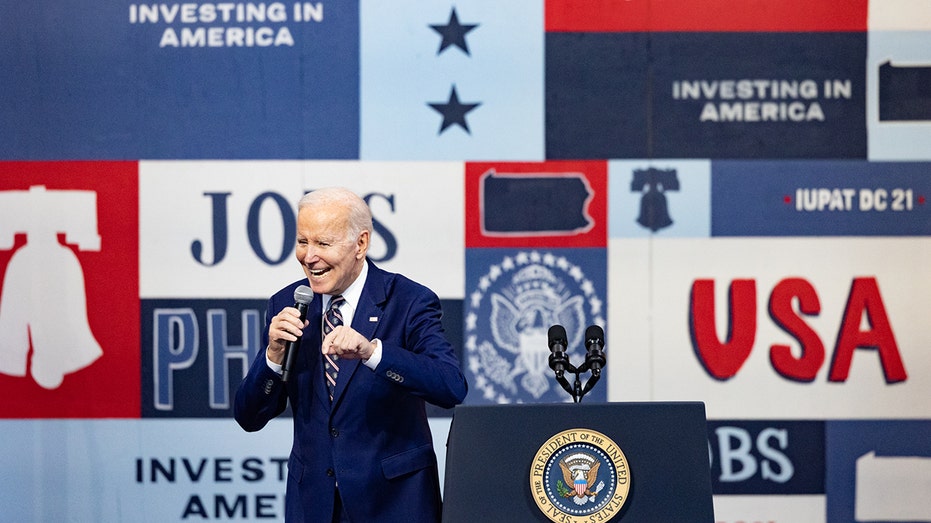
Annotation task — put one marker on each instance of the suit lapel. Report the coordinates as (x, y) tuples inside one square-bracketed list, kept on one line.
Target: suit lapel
[(314, 335), (364, 321)]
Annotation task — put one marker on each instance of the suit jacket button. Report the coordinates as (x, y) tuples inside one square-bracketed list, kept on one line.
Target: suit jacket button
[(330, 473), (268, 386), (334, 433)]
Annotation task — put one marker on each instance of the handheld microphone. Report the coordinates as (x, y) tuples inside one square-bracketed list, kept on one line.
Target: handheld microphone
[(302, 298), (594, 347), (557, 342)]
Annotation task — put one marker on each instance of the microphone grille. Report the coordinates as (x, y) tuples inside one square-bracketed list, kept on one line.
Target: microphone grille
[(557, 333), (595, 332), (303, 294)]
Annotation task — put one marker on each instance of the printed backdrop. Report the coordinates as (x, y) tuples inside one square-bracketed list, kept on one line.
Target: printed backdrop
[(736, 191)]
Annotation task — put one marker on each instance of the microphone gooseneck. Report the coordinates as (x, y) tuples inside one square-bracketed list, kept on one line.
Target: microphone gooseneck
[(557, 339)]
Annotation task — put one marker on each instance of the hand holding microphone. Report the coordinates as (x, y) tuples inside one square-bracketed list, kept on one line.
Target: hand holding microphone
[(302, 298)]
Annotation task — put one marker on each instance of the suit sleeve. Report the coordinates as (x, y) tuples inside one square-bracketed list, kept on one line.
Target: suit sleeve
[(261, 395), (422, 360)]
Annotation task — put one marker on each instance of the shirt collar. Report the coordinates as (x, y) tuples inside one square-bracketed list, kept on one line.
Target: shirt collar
[(353, 293)]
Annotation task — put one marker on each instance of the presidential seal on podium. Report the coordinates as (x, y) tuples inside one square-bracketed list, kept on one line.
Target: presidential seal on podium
[(580, 475)]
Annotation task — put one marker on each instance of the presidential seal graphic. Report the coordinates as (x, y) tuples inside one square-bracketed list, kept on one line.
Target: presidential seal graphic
[(509, 313), (579, 475)]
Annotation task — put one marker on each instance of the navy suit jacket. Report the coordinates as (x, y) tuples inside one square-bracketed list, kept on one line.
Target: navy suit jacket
[(373, 439)]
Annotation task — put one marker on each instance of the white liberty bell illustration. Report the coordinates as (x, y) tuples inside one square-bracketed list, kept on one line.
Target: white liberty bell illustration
[(43, 298)]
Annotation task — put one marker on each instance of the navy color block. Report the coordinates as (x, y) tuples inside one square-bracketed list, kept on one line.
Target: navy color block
[(82, 82), (611, 95), (596, 95), (878, 199)]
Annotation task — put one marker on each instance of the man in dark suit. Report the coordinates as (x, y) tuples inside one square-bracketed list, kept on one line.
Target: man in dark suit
[(365, 455)]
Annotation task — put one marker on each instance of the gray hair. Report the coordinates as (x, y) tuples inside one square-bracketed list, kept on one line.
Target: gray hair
[(358, 214)]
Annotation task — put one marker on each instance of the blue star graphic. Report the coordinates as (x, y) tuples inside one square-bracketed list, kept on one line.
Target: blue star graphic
[(453, 33), (453, 111)]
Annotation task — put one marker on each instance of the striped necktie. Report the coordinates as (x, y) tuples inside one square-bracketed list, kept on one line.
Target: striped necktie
[(331, 320)]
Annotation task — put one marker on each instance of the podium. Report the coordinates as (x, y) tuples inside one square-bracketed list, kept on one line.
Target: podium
[(501, 463)]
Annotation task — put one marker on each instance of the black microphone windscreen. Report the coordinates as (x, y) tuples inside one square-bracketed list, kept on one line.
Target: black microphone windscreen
[(557, 333), (594, 332)]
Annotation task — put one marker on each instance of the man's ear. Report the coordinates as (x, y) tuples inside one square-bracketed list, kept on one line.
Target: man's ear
[(362, 245)]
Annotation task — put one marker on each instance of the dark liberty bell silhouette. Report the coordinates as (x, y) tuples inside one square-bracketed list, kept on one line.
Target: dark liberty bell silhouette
[(654, 210)]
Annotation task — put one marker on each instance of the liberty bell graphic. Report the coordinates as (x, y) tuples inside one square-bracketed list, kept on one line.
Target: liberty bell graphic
[(43, 302), (654, 211)]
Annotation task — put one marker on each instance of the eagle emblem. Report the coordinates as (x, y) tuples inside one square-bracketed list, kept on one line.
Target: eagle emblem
[(510, 311), (591, 483), (580, 471)]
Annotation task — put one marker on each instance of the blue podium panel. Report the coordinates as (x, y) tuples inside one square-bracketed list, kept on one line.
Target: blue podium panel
[(658, 453)]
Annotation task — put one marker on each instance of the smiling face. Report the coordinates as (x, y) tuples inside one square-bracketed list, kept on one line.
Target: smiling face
[(331, 254)]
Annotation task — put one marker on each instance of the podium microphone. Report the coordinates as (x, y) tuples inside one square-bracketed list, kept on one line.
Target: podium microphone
[(302, 298), (557, 339), (594, 347)]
